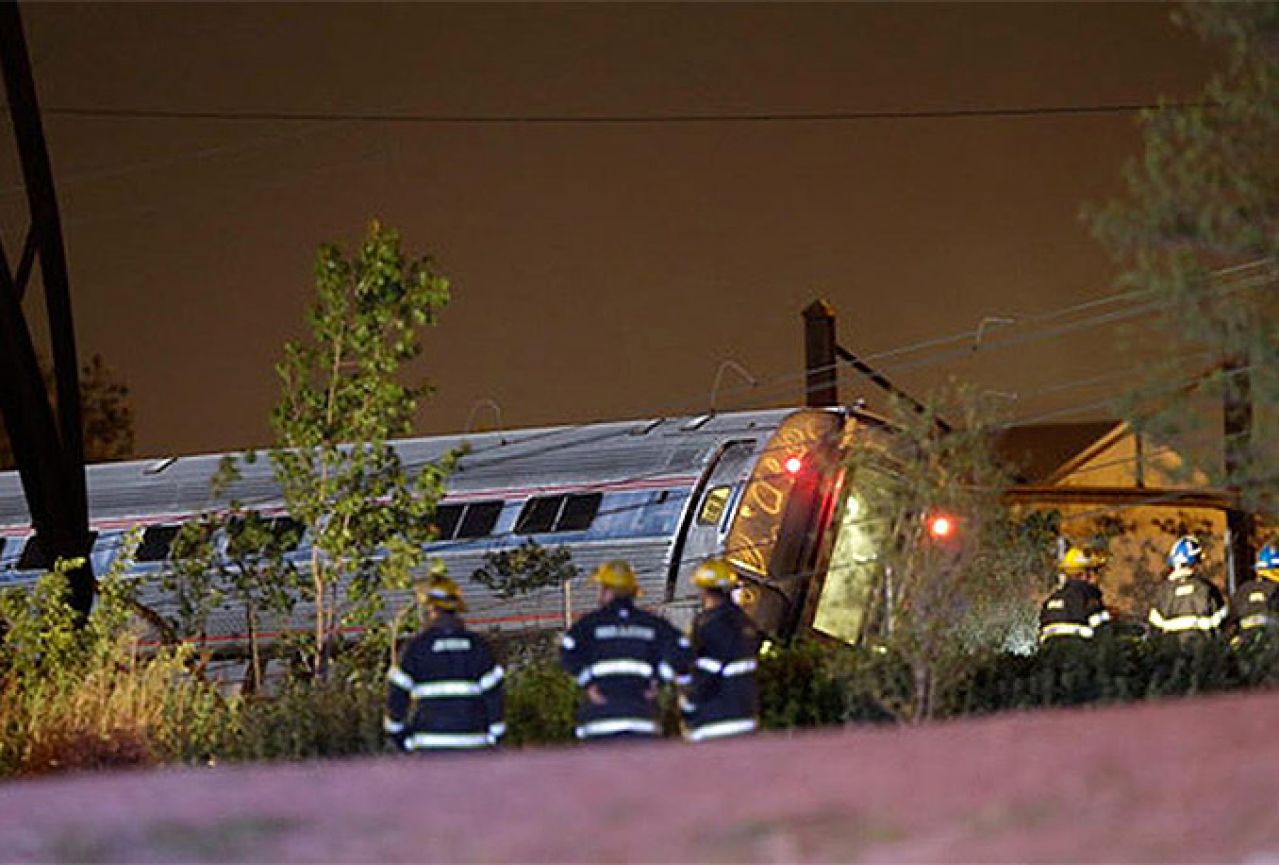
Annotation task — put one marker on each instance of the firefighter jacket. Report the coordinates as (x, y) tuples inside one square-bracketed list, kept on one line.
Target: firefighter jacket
[(1188, 607), (446, 691), (1255, 606), (1074, 610), (724, 697), (619, 654)]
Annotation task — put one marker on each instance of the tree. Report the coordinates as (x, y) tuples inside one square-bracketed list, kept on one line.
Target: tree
[(957, 570), (342, 402), (106, 414), (1197, 235)]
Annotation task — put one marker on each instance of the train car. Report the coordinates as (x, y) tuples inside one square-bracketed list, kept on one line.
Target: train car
[(663, 493)]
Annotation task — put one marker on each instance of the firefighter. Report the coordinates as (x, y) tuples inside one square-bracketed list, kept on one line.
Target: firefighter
[(446, 692), (1187, 606), (619, 655), (1075, 611), (724, 698), (1255, 605)]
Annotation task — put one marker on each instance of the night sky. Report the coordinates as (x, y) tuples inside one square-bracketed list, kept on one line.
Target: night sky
[(600, 271)]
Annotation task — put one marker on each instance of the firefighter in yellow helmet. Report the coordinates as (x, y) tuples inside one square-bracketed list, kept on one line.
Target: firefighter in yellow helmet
[(724, 698), (1075, 611), (619, 655), (445, 694)]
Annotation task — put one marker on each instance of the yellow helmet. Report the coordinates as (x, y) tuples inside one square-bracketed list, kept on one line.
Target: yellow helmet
[(1077, 561), (441, 593), (715, 574), (618, 576)]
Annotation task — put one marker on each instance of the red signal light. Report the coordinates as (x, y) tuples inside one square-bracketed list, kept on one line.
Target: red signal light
[(794, 464), (941, 526)]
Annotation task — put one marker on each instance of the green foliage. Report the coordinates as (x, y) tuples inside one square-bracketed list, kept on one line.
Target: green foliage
[(1197, 234), (939, 600), (86, 697), (525, 569), (541, 704)]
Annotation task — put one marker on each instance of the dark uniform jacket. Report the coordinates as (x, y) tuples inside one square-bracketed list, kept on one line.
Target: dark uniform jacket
[(1255, 606), (622, 652), (446, 692), (1074, 610), (1188, 607), (724, 698)]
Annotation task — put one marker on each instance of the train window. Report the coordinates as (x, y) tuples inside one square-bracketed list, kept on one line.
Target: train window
[(34, 557), (3, 541), (287, 531), (156, 541), (538, 515), (579, 512), (479, 519), (446, 519), (713, 505)]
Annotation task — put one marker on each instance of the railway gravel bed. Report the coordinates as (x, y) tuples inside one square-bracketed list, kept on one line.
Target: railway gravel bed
[(1179, 781)]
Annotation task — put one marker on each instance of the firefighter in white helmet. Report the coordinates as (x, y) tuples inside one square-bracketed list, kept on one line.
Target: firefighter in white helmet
[(724, 697), (1187, 607), (620, 655), (1075, 611), (445, 694)]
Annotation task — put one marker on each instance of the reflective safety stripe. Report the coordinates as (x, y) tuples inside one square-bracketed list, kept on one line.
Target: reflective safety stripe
[(1098, 618), (1177, 624), (568, 642), (616, 725), (392, 726), (399, 678), (447, 740), (710, 665), (684, 643), (720, 729), (1257, 620), (684, 679), (454, 688), (497, 730), (490, 680), (1065, 629), (740, 668), (666, 671), (620, 667)]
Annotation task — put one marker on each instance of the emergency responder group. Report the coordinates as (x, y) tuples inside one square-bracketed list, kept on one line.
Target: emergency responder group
[(1187, 608), (445, 693)]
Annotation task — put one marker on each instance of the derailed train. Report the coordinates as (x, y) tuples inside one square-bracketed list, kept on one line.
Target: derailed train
[(759, 487)]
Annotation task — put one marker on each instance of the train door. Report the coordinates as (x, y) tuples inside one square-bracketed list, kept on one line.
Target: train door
[(706, 523)]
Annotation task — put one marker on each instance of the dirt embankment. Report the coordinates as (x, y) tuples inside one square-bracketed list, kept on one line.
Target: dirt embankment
[(1189, 781)]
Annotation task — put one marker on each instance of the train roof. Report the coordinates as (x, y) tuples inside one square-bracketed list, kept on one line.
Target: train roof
[(526, 460)]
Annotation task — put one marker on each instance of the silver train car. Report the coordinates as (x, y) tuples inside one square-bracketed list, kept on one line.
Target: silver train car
[(664, 494)]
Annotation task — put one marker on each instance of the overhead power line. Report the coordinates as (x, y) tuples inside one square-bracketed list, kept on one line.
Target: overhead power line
[(126, 113)]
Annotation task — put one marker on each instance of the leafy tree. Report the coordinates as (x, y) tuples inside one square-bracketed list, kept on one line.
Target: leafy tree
[(1197, 234), (342, 401), (525, 569), (106, 414), (952, 590), (234, 554)]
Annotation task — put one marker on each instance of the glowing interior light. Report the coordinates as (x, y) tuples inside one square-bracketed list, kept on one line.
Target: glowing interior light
[(941, 527), (794, 464)]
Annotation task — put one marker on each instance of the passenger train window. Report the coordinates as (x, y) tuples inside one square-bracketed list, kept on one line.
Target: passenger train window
[(446, 519), (479, 519), (578, 513), (156, 542), (2, 543), (538, 515), (558, 513), (713, 505), (34, 557)]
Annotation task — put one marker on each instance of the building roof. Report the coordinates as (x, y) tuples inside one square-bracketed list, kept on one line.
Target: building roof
[(1039, 452)]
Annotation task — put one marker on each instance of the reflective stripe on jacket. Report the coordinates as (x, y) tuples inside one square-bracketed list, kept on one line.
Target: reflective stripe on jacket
[(1188, 607), (446, 691), (620, 653), (1075, 609), (724, 697)]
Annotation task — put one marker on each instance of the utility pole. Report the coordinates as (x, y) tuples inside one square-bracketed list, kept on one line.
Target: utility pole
[(49, 449), (820, 388), (1236, 418)]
